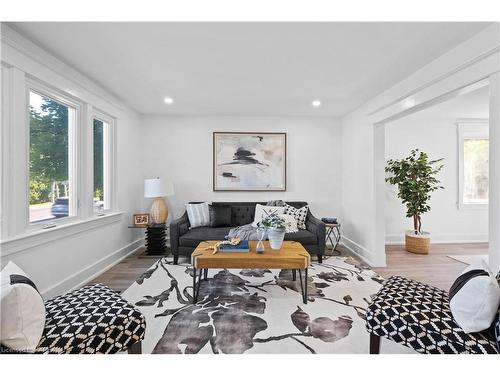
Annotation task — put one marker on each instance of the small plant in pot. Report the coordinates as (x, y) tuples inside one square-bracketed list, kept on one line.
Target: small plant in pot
[(275, 228), (416, 178)]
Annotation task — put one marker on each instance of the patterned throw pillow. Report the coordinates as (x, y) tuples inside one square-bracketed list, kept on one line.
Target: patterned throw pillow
[(198, 214), (290, 223), (300, 214), (263, 211)]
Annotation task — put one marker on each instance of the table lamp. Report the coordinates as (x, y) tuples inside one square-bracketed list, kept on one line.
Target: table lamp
[(157, 188)]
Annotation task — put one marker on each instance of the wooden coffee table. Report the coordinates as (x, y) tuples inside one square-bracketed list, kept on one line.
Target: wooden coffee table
[(291, 256)]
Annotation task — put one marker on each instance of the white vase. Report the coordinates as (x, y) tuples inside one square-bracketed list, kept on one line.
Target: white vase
[(276, 237)]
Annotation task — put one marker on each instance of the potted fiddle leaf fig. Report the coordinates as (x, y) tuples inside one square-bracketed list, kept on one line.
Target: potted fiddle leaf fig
[(416, 178)]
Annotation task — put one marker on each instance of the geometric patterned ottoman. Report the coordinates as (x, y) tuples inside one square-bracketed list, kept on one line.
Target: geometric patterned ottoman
[(418, 316), (92, 319)]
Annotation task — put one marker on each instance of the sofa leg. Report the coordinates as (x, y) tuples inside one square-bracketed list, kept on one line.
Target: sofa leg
[(320, 258), (135, 348), (374, 344), (176, 258)]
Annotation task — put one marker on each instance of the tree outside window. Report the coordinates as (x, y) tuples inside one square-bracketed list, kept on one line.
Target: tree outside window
[(48, 159)]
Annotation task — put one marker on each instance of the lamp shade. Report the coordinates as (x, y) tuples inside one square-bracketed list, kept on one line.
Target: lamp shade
[(156, 187)]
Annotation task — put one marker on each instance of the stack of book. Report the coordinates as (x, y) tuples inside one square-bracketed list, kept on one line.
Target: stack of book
[(242, 247), (329, 220)]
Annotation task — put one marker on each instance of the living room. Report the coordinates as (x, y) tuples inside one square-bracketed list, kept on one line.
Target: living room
[(247, 187)]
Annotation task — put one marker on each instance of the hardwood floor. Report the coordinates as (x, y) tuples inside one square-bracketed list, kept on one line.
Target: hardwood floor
[(123, 274), (436, 268)]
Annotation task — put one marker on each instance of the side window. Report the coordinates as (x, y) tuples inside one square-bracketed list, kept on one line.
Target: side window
[(102, 160), (473, 146), (51, 151)]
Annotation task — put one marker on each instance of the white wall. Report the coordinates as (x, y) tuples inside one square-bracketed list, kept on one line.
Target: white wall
[(62, 258), (362, 151), (180, 149), (438, 137)]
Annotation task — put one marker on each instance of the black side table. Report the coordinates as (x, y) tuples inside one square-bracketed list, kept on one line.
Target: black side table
[(156, 239)]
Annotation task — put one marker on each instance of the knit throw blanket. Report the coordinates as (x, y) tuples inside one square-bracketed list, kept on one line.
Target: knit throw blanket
[(249, 232)]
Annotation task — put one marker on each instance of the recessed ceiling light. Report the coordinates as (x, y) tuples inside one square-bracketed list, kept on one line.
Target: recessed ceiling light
[(168, 100), (316, 103)]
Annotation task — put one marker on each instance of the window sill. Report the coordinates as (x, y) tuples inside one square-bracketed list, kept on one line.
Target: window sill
[(26, 241)]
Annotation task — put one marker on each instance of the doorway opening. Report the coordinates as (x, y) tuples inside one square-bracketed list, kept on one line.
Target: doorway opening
[(455, 130)]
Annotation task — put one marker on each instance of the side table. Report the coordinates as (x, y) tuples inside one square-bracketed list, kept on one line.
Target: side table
[(156, 239), (333, 230)]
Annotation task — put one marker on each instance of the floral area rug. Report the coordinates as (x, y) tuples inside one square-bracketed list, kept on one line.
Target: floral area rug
[(257, 311)]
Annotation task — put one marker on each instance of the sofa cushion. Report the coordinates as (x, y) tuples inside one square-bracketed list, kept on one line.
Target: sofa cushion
[(195, 235), (303, 236), (242, 213), (220, 215)]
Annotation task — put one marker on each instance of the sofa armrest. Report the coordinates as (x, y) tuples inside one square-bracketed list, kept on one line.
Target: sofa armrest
[(178, 227), (317, 227)]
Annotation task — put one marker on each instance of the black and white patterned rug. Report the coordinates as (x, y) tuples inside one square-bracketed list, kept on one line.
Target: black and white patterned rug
[(257, 311)]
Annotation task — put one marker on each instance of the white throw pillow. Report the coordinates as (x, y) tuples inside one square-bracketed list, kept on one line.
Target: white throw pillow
[(290, 223), (300, 214), (474, 298), (262, 211), (23, 310), (198, 214)]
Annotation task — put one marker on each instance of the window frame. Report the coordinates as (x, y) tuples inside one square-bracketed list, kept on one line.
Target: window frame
[(16, 232), (80, 161), (471, 129), (75, 122), (109, 162)]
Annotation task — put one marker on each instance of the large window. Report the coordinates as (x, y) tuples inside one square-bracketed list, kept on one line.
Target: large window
[(58, 157), (473, 164), (50, 158)]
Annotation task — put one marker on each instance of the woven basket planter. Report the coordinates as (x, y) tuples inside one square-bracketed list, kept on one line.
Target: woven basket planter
[(417, 243)]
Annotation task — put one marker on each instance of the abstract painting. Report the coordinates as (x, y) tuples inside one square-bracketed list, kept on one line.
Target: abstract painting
[(249, 161)]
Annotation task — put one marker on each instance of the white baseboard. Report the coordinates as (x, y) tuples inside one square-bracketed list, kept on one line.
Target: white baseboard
[(359, 250), (399, 239), (92, 271)]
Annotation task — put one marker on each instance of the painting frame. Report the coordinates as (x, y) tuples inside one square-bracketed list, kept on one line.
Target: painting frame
[(141, 220), (217, 134)]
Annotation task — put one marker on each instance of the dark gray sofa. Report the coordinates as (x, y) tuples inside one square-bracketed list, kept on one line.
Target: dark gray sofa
[(184, 240)]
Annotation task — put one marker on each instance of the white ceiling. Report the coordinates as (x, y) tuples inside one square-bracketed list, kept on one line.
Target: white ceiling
[(247, 69)]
